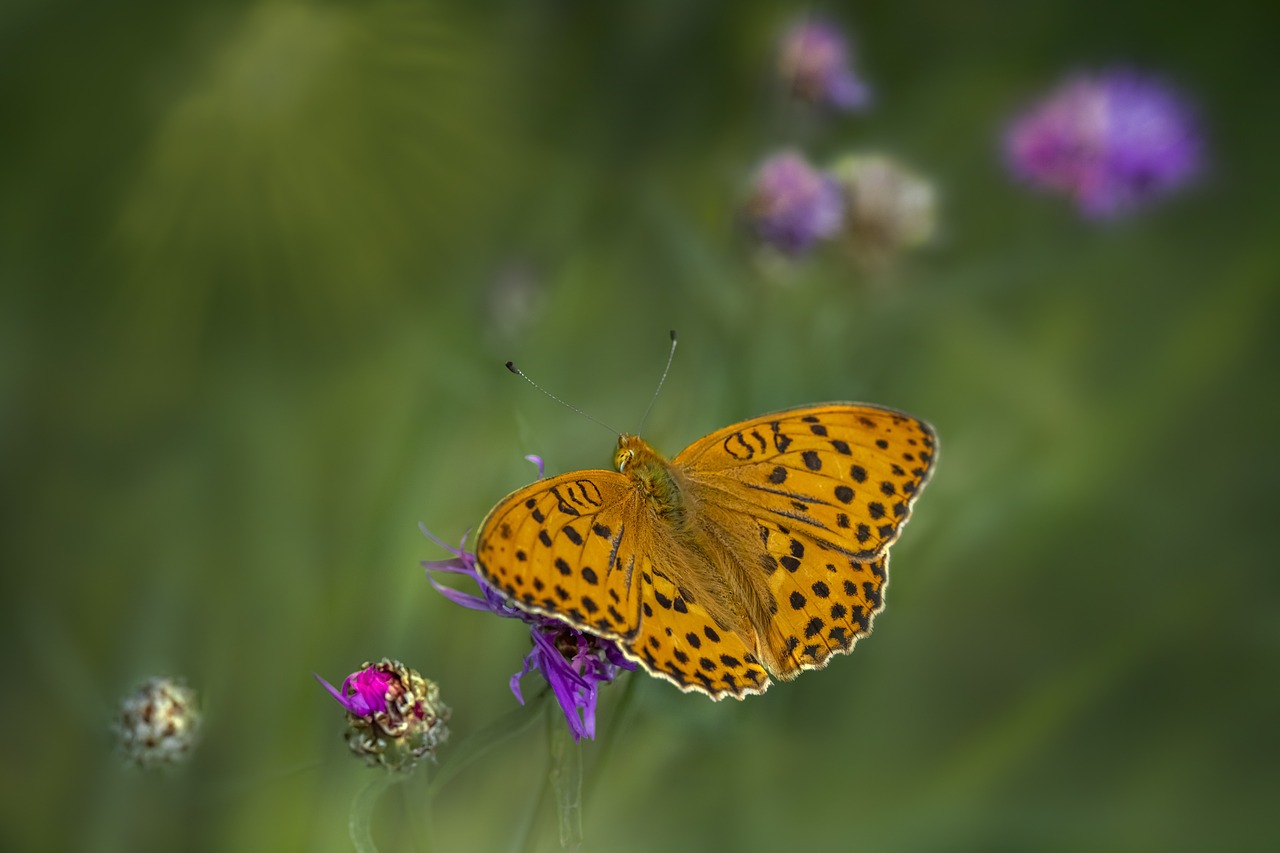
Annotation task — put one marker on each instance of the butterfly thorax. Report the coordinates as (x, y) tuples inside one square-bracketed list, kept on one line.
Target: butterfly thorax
[(654, 478)]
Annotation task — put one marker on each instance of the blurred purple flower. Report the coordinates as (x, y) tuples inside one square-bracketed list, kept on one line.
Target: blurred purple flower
[(574, 663), (1112, 140), (813, 60), (792, 205)]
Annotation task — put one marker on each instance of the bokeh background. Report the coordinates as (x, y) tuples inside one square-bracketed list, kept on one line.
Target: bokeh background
[(262, 262)]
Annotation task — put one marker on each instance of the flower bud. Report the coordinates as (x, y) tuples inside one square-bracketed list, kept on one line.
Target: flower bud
[(159, 723), (394, 715)]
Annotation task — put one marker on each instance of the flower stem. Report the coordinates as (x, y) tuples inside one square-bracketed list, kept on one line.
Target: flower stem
[(360, 820), (566, 780), (509, 725), (418, 812), (606, 742)]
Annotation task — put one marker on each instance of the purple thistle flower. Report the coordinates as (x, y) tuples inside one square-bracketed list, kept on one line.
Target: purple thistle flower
[(792, 205), (813, 60), (368, 691), (1112, 140), (394, 715), (575, 663)]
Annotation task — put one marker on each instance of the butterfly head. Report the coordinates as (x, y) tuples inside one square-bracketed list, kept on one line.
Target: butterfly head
[(652, 473), (625, 455), (634, 454)]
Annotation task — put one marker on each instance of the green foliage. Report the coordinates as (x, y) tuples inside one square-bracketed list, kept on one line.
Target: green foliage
[(263, 263)]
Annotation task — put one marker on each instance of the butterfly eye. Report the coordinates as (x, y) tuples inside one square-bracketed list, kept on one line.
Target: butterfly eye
[(624, 459)]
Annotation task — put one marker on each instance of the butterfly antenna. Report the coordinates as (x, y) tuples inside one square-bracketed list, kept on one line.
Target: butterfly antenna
[(671, 355), (518, 372)]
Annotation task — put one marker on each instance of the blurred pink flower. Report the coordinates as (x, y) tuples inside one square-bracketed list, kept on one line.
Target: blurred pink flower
[(814, 62)]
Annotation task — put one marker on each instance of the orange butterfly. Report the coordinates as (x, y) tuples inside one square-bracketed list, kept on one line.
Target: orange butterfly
[(761, 549)]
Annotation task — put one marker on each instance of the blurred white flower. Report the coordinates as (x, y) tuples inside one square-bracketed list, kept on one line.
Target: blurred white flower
[(159, 723), (887, 207)]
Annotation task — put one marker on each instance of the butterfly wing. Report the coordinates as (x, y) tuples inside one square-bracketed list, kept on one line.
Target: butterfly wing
[(558, 547), (679, 640), (584, 549), (814, 497)]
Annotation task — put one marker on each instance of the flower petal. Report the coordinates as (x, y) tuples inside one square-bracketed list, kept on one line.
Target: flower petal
[(537, 460)]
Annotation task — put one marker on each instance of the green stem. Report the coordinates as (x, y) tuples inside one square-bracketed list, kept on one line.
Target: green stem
[(566, 780), (606, 742), (506, 727), (421, 820), (360, 821), (524, 838)]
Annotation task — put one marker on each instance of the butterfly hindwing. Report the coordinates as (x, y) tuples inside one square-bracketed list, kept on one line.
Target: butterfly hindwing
[(679, 641), (825, 605)]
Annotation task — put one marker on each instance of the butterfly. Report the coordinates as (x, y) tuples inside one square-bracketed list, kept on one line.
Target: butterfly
[(759, 551)]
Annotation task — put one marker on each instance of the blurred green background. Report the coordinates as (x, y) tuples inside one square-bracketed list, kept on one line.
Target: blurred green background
[(262, 263)]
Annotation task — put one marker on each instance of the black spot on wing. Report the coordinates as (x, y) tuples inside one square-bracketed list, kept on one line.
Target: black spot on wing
[(562, 504), (781, 441)]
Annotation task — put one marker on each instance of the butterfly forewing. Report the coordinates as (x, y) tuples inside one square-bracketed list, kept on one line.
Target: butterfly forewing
[(560, 547), (845, 474)]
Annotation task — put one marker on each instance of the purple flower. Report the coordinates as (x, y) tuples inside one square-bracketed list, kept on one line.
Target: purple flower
[(813, 60), (368, 691), (575, 663), (537, 460), (792, 205), (394, 715), (1112, 140)]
